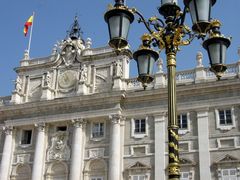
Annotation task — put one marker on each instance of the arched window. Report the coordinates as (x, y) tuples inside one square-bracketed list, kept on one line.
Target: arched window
[(57, 171), (95, 170)]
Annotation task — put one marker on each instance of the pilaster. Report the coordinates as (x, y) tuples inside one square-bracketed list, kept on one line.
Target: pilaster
[(203, 145), (115, 148), (160, 146)]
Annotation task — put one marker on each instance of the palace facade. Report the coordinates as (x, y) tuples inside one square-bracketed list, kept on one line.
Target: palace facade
[(77, 115)]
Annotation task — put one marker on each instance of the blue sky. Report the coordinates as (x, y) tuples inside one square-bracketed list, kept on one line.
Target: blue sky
[(53, 18)]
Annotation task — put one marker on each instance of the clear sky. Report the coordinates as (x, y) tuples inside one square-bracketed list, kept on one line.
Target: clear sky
[(53, 18)]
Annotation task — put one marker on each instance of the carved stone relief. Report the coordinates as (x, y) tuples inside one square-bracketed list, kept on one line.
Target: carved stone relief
[(22, 158), (103, 80), (70, 51), (96, 153), (35, 89), (59, 149)]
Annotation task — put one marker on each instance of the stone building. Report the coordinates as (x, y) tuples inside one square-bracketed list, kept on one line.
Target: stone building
[(77, 115)]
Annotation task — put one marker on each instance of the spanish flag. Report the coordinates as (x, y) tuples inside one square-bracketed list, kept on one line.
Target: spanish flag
[(27, 24)]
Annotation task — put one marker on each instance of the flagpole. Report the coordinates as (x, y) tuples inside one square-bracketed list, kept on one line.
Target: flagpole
[(30, 37)]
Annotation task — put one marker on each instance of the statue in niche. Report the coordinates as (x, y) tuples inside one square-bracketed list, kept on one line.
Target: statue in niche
[(47, 79), (83, 74), (117, 69), (18, 85)]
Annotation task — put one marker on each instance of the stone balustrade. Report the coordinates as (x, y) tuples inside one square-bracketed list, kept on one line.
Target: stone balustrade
[(190, 76)]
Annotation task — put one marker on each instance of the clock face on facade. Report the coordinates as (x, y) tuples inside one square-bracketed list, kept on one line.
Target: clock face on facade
[(67, 79)]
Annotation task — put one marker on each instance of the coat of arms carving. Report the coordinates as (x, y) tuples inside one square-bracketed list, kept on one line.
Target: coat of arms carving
[(59, 150)]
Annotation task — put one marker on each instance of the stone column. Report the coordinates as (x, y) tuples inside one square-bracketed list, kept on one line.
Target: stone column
[(39, 155), (7, 154), (160, 146), (115, 148), (203, 145), (77, 150)]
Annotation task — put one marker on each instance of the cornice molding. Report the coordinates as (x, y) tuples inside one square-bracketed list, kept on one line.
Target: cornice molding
[(62, 117), (76, 103)]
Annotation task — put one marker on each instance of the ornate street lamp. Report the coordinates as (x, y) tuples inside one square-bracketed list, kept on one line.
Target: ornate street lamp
[(201, 13), (119, 19), (216, 47), (145, 57), (169, 35)]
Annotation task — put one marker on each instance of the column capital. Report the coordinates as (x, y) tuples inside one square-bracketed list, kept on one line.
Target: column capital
[(160, 116), (78, 122), (7, 130), (40, 126), (116, 118), (202, 113)]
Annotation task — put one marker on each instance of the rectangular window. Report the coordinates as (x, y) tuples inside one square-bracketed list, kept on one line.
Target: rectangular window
[(138, 177), (140, 126), (97, 129), (229, 174), (26, 137), (61, 128), (184, 176), (225, 117), (182, 121)]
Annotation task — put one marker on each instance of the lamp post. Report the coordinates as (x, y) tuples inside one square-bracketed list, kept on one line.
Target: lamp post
[(169, 34)]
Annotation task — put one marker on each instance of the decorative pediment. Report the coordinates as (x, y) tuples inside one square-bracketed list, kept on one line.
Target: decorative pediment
[(227, 159), (139, 165)]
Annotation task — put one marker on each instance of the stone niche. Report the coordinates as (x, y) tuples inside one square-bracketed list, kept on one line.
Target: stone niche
[(103, 82)]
